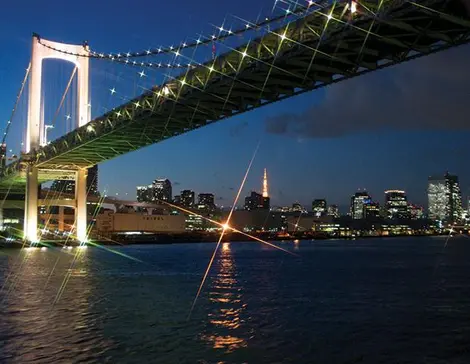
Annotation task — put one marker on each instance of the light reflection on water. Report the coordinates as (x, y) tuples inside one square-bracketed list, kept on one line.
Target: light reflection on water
[(226, 300)]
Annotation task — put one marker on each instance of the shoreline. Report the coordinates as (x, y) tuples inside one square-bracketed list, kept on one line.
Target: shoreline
[(196, 239)]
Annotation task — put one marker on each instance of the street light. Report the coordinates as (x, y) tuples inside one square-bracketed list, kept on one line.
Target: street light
[(46, 127)]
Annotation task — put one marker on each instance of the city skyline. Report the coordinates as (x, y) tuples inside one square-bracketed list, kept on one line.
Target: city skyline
[(394, 201), (371, 142)]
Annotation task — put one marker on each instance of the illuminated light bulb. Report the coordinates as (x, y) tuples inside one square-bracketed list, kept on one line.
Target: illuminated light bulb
[(177, 53), (128, 54), (184, 45), (127, 61), (329, 17), (211, 69), (353, 7), (171, 48), (230, 32), (221, 29), (148, 51), (183, 82), (310, 2), (113, 91), (68, 117), (159, 50), (166, 90), (283, 36), (118, 114), (137, 104), (213, 36), (244, 54), (225, 226), (134, 62), (287, 11), (169, 65), (198, 41), (247, 26)]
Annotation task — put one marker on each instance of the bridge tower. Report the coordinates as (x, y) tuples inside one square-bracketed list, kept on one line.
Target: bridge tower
[(78, 55)]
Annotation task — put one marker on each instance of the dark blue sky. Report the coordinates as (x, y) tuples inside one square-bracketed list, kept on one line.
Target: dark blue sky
[(386, 130)]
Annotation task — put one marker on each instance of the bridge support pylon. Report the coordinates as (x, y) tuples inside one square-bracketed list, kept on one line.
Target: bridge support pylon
[(31, 205), (80, 202)]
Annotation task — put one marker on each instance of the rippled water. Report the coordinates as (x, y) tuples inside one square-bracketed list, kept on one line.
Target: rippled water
[(370, 301)]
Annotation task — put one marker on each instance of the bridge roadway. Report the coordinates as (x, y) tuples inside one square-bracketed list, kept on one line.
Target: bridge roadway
[(311, 52)]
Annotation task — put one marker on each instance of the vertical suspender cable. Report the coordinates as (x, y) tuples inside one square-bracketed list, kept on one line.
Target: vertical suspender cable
[(7, 128)]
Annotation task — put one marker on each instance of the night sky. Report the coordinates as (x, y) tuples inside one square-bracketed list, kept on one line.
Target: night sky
[(390, 129)]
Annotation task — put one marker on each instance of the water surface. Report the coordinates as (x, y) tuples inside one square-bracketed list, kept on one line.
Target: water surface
[(365, 301)]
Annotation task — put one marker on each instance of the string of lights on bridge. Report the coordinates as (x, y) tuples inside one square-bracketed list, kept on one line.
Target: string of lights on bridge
[(125, 57)]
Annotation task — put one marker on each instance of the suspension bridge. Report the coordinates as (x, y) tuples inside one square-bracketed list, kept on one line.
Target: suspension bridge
[(307, 48)]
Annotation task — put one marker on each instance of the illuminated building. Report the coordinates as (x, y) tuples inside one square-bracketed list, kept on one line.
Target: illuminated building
[(162, 190), (371, 210), (206, 201), (177, 200), (333, 211), (396, 205), (144, 193), (187, 198), (297, 207), (358, 200), (415, 212), (63, 186), (92, 181), (111, 222), (254, 201), (319, 208), (444, 199), (68, 186)]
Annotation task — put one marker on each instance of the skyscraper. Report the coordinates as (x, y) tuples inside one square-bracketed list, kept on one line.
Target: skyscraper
[(63, 186), (92, 181), (396, 205), (319, 207), (187, 198), (254, 201), (444, 199), (358, 200), (333, 211), (68, 186), (162, 190), (144, 193), (206, 201), (371, 210)]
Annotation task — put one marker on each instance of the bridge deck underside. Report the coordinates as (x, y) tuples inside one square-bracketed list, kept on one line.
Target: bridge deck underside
[(309, 53)]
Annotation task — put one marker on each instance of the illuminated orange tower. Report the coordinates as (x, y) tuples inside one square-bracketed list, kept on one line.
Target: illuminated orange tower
[(265, 184)]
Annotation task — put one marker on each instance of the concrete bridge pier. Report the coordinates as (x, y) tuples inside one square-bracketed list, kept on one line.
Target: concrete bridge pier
[(80, 205), (30, 231)]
